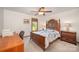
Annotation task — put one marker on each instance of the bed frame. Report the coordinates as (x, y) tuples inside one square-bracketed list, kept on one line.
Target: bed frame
[(40, 40)]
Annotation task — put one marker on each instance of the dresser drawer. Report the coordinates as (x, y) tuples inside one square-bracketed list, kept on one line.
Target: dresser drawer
[(69, 34), (68, 37), (69, 40)]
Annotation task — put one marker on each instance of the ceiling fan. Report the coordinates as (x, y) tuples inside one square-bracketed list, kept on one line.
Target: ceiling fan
[(42, 11)]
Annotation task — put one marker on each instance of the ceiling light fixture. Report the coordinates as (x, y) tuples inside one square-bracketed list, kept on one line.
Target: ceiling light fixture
[(40, 13)]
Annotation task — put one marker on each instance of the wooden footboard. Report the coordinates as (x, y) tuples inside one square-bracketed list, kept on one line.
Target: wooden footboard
[(38, 39)]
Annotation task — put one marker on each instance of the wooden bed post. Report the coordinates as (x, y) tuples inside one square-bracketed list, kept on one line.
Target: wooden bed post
[(59, 25)]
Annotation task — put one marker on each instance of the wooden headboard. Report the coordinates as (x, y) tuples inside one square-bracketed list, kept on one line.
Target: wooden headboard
[(53, 24)]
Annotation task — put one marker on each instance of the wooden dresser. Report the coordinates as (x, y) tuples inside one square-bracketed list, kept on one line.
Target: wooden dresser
[(68, 37), (11, 44)]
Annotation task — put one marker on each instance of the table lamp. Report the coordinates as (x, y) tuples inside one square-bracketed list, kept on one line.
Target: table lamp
[(68, 25)]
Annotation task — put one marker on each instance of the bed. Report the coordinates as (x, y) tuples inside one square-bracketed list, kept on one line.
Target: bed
[(44, 38)]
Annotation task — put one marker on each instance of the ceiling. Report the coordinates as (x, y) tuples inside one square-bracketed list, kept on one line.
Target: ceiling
[(28, 10)]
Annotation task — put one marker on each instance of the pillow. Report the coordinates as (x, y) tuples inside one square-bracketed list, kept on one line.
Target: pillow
[(50, 30), (6, 32)]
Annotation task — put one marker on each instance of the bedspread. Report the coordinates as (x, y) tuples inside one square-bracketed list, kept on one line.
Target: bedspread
[(50, 35)]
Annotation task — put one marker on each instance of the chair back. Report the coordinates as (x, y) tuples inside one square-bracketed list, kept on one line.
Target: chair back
[(21, 34)]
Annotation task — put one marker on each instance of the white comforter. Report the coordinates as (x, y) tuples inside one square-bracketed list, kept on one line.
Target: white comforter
[(50, 35)]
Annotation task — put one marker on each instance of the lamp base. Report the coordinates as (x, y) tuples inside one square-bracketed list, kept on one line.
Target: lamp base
[(68, 29)]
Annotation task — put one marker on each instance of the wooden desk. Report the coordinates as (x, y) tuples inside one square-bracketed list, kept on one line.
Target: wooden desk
[(11, 44)]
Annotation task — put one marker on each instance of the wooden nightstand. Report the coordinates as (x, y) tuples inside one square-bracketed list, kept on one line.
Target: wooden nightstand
[(69, 37)]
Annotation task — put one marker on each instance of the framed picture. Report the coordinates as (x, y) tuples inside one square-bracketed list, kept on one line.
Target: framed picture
[(26, 21)]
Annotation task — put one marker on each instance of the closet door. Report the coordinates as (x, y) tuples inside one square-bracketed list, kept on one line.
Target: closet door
[(34, 26)]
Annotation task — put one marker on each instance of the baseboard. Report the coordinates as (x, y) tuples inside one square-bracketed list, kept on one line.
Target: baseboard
[(77, 42), (27, 36)]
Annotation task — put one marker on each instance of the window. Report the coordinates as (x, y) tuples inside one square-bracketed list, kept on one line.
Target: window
[(34, 24)]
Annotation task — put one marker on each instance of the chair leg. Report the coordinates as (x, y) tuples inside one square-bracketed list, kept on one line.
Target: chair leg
[(44, 50)]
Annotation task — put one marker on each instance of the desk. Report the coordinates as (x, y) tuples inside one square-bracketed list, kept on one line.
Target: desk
[(11, 44)]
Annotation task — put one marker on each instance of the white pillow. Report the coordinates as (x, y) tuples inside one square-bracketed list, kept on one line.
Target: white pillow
[(7, 32), (50, 30)]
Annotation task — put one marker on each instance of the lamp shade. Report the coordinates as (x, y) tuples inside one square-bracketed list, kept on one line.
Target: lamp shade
[(41, 13), (67, 25)]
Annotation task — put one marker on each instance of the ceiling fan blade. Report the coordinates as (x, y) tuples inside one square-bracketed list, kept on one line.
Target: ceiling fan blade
[(47, 11), (41, 11)]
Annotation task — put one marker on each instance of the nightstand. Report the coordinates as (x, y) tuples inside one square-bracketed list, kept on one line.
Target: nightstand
[(69, 37)]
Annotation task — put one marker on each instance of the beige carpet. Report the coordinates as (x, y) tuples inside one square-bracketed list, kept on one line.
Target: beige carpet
[(57, 46)]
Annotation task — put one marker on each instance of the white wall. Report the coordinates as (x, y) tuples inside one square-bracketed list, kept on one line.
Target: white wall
[(14, 21), (1, 20), (70, 16), (43, 19)]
